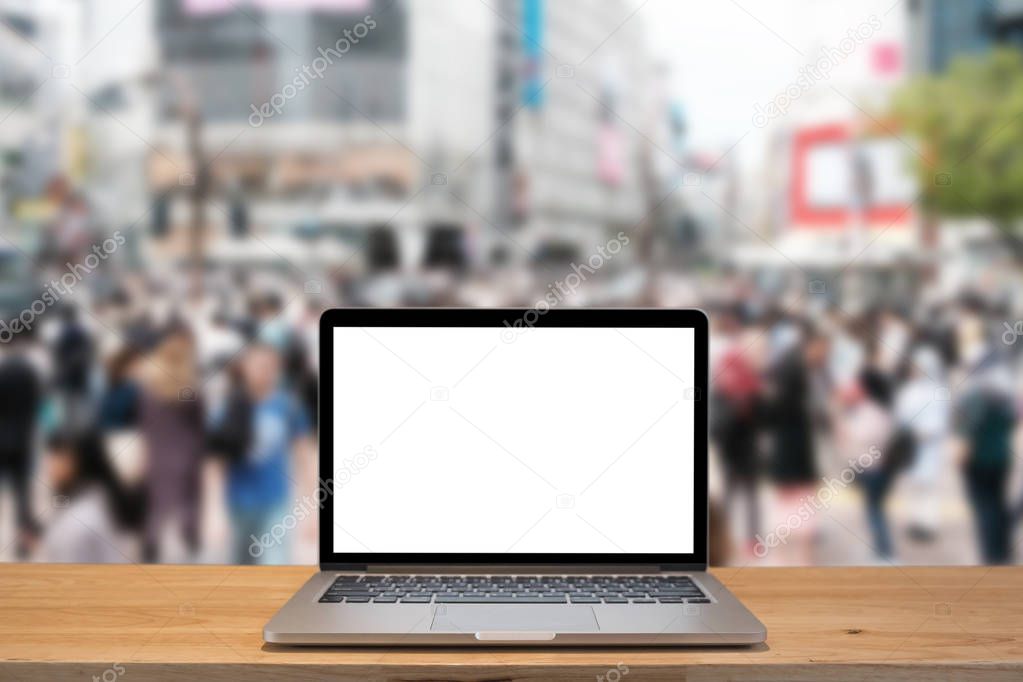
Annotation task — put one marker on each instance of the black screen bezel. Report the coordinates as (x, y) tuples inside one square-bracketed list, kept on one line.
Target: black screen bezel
[(498, 317)]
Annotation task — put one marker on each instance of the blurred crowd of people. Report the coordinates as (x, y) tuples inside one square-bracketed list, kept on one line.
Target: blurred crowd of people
[(797, 398), (143, 425), (143, 421)]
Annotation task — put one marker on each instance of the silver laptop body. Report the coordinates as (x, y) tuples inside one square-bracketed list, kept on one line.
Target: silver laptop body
[(513, 477)]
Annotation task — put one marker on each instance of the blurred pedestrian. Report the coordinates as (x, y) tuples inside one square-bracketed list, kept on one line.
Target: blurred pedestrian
[(20, 399), (872, 376), (735, 423), (120, 404), (73, 230), (272, 430), (73, 357), (894, 335), (270, 324), (95, 520), (171, 424), (864, 430), (985, 419), (790, 422), (922, 408)]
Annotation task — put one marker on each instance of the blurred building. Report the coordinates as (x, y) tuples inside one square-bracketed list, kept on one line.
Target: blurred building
[(22, 72), (586, 91), (837, 177), (454, 134), (35, 146), (942, 29)]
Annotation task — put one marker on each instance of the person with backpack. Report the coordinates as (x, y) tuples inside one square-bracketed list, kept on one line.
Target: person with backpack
[(985, 419)]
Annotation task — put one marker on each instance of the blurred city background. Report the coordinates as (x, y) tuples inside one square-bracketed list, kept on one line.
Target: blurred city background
[(186, 184)]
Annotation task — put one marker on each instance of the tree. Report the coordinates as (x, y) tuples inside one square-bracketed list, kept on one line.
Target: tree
[(969, 120)]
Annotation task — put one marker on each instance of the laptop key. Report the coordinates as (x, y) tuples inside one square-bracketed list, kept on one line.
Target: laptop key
[(698, 601), (356, 600), (384, 600)]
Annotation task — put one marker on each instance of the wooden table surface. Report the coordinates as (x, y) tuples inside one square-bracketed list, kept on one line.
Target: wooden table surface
[(205, 623)]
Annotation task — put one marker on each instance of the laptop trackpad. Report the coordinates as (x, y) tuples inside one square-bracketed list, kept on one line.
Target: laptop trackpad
[(513, 618)]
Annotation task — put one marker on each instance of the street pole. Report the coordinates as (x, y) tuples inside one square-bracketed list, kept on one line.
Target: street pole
[(198, 196)]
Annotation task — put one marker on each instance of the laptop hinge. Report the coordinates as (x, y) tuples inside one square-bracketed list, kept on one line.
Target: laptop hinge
[(343, 567), (683, 567)]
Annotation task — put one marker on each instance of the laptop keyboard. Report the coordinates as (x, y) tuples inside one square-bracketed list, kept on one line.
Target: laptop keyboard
[(535, 589)]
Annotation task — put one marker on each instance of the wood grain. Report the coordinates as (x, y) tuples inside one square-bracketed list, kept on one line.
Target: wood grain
[(205, 622)]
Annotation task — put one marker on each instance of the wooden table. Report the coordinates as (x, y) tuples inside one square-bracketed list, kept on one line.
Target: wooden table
[(205, 623)]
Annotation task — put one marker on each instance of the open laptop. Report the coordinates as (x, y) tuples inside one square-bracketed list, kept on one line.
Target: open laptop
[(513, 477)]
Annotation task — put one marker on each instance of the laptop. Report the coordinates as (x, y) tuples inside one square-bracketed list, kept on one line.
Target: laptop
[(513, 477)]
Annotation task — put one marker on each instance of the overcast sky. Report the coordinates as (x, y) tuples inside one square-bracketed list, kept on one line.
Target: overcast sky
[(727, 56)]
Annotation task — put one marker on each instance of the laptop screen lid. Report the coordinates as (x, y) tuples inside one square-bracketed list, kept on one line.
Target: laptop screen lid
[(513, 437)]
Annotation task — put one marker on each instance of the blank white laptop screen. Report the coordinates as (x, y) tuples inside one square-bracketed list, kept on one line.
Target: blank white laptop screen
[(547, 440)]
